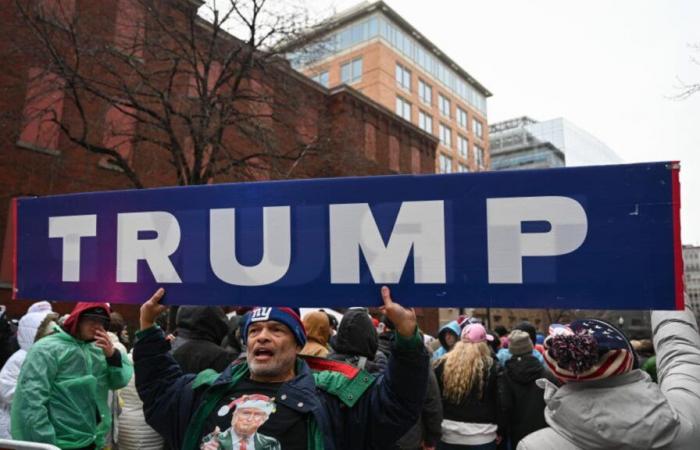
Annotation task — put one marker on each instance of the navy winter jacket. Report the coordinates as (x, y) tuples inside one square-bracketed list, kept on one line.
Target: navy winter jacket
[(348, 409)]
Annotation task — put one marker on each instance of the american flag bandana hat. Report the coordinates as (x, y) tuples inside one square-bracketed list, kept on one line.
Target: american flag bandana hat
[(594, 350)]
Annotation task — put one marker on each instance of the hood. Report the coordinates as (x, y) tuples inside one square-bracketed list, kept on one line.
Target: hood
[(627, 411), (29, 324), (317, 327), (524, 369), (207, 323), (71, 322), (356, 335), (447, 328)]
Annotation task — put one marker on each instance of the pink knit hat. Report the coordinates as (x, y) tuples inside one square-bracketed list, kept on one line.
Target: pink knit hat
[(475, 333)]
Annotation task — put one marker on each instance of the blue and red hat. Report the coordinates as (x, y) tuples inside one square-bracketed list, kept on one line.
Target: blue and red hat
[(590, 349), (283, 315)]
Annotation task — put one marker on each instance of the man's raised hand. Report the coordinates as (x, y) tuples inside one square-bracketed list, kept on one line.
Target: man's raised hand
[(404, 319), (151, 309)]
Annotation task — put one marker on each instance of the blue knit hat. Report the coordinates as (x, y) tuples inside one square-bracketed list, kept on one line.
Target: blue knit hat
[(286, 316)]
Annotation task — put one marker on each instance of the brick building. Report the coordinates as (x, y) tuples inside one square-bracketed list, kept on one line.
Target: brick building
[(373, 49), (40, 154)]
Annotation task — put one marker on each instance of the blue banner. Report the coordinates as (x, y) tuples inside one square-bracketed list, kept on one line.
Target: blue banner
[(589, 238)]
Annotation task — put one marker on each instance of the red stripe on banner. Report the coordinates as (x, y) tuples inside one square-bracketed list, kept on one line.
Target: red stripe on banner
[(677, 248), (14, 248)]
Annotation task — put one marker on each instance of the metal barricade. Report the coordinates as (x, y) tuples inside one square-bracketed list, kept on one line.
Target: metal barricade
[(25, 445)]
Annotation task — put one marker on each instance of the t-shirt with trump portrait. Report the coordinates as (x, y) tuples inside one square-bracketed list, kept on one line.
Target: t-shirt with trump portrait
[(250, 419)]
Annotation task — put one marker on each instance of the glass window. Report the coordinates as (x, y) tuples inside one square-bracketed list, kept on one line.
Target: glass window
[(478, 129), (445, 164), (445, 135), (425, 92), (403, 77), (425, 122), (321, 78), (463, 146), (351, 72), (462, 118), (444, 105), (462, 168), (403, 108), (479, 156)]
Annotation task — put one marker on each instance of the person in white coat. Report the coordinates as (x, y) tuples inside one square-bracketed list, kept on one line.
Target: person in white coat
[(605, 403), (26, 334)]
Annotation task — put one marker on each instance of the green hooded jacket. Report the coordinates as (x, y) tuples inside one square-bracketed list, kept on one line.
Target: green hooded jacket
[(62, 389)]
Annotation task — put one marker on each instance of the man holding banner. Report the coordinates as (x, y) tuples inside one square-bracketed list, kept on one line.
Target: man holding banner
[(320, 404)]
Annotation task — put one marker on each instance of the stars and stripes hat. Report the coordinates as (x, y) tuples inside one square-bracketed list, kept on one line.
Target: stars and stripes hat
[(593, 350)]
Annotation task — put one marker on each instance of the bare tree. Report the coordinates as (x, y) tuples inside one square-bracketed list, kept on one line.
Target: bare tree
[(174, 84), (686, 90)]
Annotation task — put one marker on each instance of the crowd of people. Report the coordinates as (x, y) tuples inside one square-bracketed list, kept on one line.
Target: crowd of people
[(203, 377)]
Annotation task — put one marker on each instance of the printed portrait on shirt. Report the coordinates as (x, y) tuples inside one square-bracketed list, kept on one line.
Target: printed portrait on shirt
[(248, 413)]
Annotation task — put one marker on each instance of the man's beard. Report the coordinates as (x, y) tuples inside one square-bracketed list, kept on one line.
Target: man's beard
[(275, 367)]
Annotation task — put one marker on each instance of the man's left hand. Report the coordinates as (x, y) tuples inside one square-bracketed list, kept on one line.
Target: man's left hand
[(102, 341), (404, 319)]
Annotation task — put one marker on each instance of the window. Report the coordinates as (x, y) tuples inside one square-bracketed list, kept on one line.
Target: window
[(445, 164), (444, 105), (463, 146), (321, 78), (462, 118), (43, 110), (403, 108), (479, 156), (462, 168), (351, 72), (403, 77), (425, 122), (425, 92), (445, 135), (478, 129)]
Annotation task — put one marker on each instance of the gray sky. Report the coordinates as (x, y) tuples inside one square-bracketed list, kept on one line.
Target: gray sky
[(610, 67)]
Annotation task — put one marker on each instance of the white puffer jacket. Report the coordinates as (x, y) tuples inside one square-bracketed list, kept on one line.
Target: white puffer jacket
[(134, 433), (26, 331), (630, 411)]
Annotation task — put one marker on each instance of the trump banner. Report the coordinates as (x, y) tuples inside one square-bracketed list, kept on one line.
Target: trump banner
[(603, 237)]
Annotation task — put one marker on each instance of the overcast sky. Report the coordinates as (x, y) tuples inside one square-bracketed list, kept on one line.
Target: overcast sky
[(610, 67)]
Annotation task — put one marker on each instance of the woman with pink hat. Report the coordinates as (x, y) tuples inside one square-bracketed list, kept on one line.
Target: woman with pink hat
[(468, 378)]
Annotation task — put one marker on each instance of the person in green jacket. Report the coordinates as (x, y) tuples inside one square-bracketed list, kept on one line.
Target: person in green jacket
[(62, 390)]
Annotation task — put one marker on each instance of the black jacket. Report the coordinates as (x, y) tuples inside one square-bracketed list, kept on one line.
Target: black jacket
[(474, 408), (202, 328), (356, 339), (428, 429), (522, 400)]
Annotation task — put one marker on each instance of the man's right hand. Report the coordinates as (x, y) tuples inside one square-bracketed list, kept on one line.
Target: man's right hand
[(151, 309)]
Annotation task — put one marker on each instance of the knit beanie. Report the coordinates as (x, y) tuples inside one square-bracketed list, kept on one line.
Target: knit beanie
[(592, 350), (284, 316), (520, 343)]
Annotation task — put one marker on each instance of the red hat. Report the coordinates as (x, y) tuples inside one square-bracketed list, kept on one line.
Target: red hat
[(85, 309)]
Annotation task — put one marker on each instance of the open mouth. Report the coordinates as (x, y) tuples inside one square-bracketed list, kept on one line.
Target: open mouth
[(262, 354)]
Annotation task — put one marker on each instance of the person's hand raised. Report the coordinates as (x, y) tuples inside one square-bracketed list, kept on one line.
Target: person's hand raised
[(404, 319), (151, 309)]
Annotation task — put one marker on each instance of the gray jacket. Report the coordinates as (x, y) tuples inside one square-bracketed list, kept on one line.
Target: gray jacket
[(630, 411)]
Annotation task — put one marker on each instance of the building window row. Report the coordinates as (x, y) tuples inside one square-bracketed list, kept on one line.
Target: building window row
[(351, 71), (403, 108)]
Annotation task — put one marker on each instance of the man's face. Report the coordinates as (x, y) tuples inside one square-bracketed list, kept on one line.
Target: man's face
[(246, 421), (88, 326), (272, 351)]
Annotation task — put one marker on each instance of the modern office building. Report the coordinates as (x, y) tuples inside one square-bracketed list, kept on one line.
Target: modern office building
[(524, 143), (691, 269), (373, 49)]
